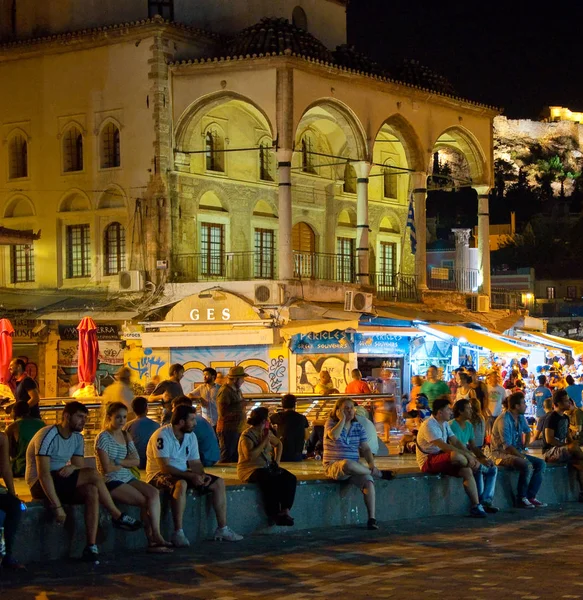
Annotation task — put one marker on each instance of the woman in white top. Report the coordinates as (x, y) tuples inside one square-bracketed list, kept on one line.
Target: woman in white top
[(115, 455), (465, 390)]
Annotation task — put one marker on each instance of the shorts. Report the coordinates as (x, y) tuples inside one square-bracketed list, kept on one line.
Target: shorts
[(66, 488), (166, 483), (335, 471), (111, 485), (557, 454), (440, 463)]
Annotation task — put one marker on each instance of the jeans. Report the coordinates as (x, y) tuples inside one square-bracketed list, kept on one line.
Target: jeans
[(10, 505), (530, 471), (486, 483), (228, 443)]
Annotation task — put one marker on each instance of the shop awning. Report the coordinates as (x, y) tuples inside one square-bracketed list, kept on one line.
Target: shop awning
[(554, 340), (406, 331), (477, 338)]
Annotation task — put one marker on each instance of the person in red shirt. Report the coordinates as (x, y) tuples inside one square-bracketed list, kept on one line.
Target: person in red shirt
[(357, 385)]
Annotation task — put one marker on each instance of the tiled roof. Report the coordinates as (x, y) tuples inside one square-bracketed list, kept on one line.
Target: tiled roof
[(412, 71)]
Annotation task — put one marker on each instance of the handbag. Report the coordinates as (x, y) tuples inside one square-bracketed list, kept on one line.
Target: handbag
[(135, 471)]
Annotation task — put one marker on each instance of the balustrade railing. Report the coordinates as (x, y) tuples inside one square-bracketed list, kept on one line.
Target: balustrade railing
[(224, 266), (458, 280)]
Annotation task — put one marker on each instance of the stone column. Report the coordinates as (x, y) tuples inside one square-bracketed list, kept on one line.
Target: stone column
[(362, 169), (419, 183), (462, 259), (285, 256), (483, 239)]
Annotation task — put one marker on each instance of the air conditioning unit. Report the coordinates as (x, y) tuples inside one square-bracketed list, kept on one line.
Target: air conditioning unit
[(479, 303), (357, 302), (131, 281), (268, 293)]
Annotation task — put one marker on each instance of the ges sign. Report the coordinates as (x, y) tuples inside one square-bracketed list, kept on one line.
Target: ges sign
[(210, 314)]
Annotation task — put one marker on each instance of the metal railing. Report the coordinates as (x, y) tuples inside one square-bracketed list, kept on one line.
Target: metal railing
[(224, 266), (458, 280), (505, 299), (325, 267), (395, 287)]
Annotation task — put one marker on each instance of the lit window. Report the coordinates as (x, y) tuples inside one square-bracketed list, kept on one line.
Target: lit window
[(345, 259), (551, 293), (114, 246), (18, 157), (264, 253), (22, 263), (265, 162), (78, 251), (110, 147), (72, 150), (212, 249), (164, 8), (214, 151)]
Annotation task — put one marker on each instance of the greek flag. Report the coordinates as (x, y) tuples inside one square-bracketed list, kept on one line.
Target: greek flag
[(411, 225)]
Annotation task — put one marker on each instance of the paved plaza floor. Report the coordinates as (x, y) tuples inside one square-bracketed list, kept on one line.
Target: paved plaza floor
[(516, 554)]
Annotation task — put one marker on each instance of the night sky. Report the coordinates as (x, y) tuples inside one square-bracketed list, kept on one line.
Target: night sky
[(513, 55)]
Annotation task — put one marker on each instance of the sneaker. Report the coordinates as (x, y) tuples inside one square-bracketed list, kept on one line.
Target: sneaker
[(226, 534), (489, 508), (537, 503), (179, 540), (372, 525), (525, 503), (478, 512), (127, 523), (90, 553), (284, 521)]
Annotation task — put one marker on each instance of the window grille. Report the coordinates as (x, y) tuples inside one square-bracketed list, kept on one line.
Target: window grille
[(345, 259), (78, 251), (22, 263), (18, 157), (264, 253), (72, 150), (110, 147), (114, 249), (212, 249)]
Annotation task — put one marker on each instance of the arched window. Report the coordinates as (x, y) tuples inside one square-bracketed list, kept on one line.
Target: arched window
[(265, 161), (110, 147), (349, 179), (304, 249), (214, 146), (72, 150), (114, 249), (308, 157), (390, 180), (299, 18), (18, 157)]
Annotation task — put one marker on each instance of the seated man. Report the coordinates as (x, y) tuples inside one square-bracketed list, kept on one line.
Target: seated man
[(56, 472), (558, 445), (439, 451), (575, 415), (538, 437), (174, 465), (10, 506), (292, 429), (141, 428), (509, 450), (345, 441), (19, 435), (486, 472)]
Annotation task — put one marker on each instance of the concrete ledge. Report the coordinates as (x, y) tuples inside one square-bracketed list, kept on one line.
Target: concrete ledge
[(319, 503)]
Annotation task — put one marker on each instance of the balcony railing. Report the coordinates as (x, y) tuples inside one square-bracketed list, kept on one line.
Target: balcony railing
[(325, 267), (226, 266), (505, 299), (457, 280), (395, 287)]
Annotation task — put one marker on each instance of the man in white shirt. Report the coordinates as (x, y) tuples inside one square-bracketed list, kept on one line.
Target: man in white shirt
[(496, 393), (439, 451), (207, 393), (173, 464)]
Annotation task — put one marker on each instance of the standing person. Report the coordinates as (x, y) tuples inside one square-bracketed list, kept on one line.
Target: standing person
[(345, 441), (479, 387), (19, 433), (508, 450), (231, 419), (169, 389), (208, 392), (292, 429), (496, 393), (115, 455), (357, 385), (26, 388), (9, 505), (558, 445), (541, 393), (120, 390), (524, 368), (433, 387), (439, 451), (174, 466), (575, 390), (416, 384), (259, 458), (485, 472), (56, 472), (141, 428)]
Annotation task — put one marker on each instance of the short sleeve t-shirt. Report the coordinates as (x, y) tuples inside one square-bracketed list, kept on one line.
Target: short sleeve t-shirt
[(173, 387), (115, 451), (463, 435), (25, 385), (208, 445), (357, 387), (291, 430), (49, 442), (434, 390), (496, 394), (164, 444), (541, 393), (141, 430), (575, 392), (560, 425), (346, 446), (430, 431)]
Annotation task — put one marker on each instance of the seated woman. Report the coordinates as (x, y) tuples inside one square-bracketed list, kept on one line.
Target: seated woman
[(259, 454), (115, 455)]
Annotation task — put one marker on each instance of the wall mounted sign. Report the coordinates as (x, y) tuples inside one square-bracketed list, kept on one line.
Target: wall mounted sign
[(104, 332), (382, 343), (323, 342)]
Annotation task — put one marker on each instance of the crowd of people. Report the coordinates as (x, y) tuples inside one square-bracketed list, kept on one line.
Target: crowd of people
[(466, 428)]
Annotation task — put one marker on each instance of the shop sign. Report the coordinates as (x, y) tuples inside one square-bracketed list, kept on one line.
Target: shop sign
[(214, 306), (24, 329), (323, 342), (385, 344), (209, 315), (104, 332)]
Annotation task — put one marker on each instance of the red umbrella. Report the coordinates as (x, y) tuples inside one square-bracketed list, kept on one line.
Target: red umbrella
[(88, 351), (6, 331)]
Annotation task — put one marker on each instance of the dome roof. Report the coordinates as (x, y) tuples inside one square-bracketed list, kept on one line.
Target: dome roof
[(276, 36), (413, 72), (349, 57)]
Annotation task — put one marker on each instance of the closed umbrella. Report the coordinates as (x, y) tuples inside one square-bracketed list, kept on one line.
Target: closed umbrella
[(6, 331), (88, 351)]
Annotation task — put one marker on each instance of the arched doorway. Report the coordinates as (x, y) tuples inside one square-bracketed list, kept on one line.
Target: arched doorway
[(304, 249)]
